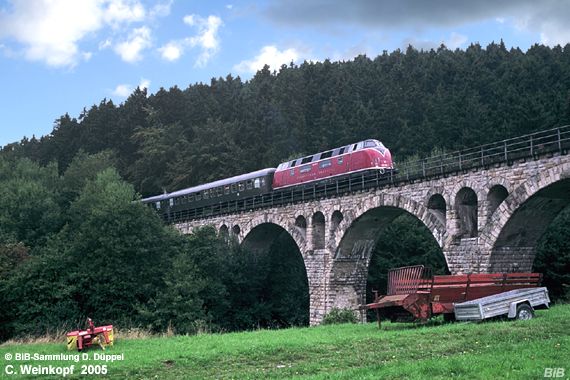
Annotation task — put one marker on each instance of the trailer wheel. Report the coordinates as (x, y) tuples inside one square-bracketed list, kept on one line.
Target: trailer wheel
[(524, 312)]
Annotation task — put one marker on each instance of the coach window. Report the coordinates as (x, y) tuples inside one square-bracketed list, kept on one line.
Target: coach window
[(341, 151), (326, 154), (205, 194), (227, 189), (354, 147), (241, 186), (305, 169), (158, 205), (220, 191), (249, 184), (198, 197), (257, 183), (262, 181), (306, 160), (325, 164), (171, 202), (234, 187), (191, 198)]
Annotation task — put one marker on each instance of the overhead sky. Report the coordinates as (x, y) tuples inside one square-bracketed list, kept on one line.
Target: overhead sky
[(60, 56)]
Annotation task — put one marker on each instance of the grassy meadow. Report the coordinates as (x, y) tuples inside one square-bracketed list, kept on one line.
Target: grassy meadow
[(489, 350)]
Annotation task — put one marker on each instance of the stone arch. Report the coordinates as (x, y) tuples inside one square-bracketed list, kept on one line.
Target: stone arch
[(286, 223), (473, 185), (467, 209), (336, 218), (224, 232), (263, 237), (396, 201), (513, 230), (438, 207), (318, 229), (301, 222), (496, 195), (352, 256)]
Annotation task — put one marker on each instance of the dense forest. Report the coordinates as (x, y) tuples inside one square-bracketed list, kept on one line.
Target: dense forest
[(72, 242)]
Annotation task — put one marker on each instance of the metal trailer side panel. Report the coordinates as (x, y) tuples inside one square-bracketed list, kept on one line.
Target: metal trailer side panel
[(499, 304)]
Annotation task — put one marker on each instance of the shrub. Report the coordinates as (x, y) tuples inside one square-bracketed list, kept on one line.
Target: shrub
[(337, 316)]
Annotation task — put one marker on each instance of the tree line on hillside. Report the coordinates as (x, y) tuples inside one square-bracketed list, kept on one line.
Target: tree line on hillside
[(413, 101)]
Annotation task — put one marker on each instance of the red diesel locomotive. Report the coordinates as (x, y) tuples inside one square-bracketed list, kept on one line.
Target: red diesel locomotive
[(364, 155)]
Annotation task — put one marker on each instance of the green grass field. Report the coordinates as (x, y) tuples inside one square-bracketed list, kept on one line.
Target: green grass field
[(489, 350)]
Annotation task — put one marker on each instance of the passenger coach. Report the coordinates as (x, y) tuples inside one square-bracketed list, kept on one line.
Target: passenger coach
[(228, 189)]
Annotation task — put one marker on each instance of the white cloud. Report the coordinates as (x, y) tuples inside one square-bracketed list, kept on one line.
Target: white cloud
[(145, 83), (269, 55), (206, 39), (161, 9), (51, 31), (190, 19), (121, 11), (131, 49), (172, 51), (455, 41), (124, 90)]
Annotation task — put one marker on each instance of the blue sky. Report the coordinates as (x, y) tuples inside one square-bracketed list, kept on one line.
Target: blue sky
[(59, 56)]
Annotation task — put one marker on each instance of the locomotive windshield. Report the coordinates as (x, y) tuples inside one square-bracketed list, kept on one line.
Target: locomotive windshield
[(373, 144), (376, 145)]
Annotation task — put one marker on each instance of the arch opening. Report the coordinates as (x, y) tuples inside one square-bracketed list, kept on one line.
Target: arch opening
[(381, 239), (515, 248), (336, 218), (278, 295), (438, 207), (301, 222), (318, 230), (236, 230), (497, 194), (224, 232), (466, 206)]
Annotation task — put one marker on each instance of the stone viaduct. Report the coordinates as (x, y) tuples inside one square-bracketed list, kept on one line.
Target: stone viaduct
[(485, 219)]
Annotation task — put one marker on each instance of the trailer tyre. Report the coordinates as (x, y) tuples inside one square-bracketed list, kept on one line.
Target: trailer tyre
[(524, 312)]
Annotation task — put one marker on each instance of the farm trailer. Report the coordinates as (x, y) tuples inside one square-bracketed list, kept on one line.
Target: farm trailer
[(518, 303), (414, 294)]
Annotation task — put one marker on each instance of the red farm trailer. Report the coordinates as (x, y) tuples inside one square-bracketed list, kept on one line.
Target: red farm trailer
[(414, 294)]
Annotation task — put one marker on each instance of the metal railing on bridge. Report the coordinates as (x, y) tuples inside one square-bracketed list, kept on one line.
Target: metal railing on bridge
[(555, 140), (531, 145)]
